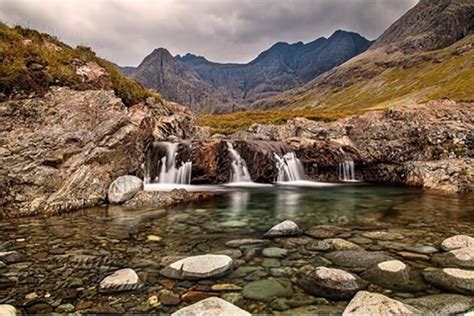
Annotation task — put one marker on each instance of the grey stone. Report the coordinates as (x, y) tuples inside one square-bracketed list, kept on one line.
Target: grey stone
[(211, 306), (286, 228), (331, 283), (9, 257), (357, 259), (275, 252), (121, 280), (426, 250), (268, 289), (452, 279), (199, 267), (366, 303), (124, 188), (236, 243), (395, 275), (462, 258), (442, 304)]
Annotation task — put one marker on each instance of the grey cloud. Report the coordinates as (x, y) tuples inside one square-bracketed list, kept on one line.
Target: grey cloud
[(221, 30)]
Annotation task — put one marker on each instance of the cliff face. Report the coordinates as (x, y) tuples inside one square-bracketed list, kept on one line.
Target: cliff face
[(212, 87)]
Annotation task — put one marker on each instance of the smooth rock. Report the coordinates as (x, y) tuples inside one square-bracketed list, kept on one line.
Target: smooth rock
[(331, 283), (275, 252), (335, 244), (425, 250), (452, 279), (413, 256), (9, 257), (226, 287), (153, 238), (199, 267), (395, 275), (124, 188), (357, 259), (462, 258), (284, 229), (381, 235), (457, 242), (121, 280), (268, 289), (169, 298), (212, 306), (367, 303), (442, 304), (8, 310), (236, 243)]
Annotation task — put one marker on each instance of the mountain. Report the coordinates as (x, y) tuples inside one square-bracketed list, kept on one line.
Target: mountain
[(208, 87), (427, 54)]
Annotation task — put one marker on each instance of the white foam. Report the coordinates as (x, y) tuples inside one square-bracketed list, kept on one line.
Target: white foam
[(307, 183), (168, 187)]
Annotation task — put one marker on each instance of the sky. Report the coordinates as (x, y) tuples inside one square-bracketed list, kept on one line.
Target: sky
[(125, 31)]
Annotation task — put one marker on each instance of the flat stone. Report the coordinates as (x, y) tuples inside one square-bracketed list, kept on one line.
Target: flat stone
[(275, 252), (426, 250), (326, 231), (357, 259), (237, 243), (121, 280), (381, 235), (337, 244), (286, 228), (8, 310), (367, 303), (199, 267), (226, 287), (268, 289), (442, 304), (193, 296), (169, 298), (271, 263), (331, 283), (153, 238), (452, 279), (413, 256), (462, 258), (9, 257), (395, 275), (124, 188), (212, 306), (457, 242)]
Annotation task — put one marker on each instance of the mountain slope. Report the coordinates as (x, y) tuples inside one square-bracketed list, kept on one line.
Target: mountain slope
[(426, 54), (213, 87)]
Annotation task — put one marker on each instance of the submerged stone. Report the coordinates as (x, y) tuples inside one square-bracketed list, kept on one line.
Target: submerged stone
[(357, 259), (211, 306), (462, 258), (367, 303), (452, 279), (381, 235), (331, 283), (121, 280), (124, 188), (9, 257), (286, 228), (236, 243), (457, 242), (275, 252), (268, 289), (199, 267), (426, 250), (326, 231), (395, 275)]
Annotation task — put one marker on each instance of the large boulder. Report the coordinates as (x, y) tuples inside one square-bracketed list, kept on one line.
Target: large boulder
[(199, 267), (457, 242), (331, 283), (395, 275), (124, 188), (366, 303), (452, 279), (212, 306)]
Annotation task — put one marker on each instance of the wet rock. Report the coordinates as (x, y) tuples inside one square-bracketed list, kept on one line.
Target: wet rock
[(65, 308), (40, 309), (121, 280), (366, 303), (457, 242), (413, 256), (357, 259), (326, 231), (226, 287), (282, 272), (199, 267), (211, 306), (335, 244), (463, 258), (271, 263), (8, 310), (193, 296), (284, 229), (381, 235), (331, 283), (275, 252), (452, 279), (233, 253), (426, 250), (442, 304), (124, 188), (313, 310), (169, 298), (235, 224), (395, 275), (246, 242), (9, 257), (268, 289)]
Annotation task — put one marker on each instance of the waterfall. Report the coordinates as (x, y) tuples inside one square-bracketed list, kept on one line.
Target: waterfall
[(240, 172), (169, 173), (289, 168), (346, 171)]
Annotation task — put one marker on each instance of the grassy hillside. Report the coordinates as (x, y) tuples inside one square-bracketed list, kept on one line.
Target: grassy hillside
[(373, 81), (32, 61)]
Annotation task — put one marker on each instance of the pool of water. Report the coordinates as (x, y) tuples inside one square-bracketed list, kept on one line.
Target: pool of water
[(55, 270)]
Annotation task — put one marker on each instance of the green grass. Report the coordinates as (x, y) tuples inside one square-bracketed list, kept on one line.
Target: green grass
[(20, 48)]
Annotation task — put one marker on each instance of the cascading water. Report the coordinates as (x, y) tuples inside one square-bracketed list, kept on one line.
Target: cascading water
[(346, 171), (240, 172), (289, 168), (169, 172)]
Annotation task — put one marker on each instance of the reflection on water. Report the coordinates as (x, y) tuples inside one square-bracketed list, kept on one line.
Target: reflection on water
[(238, 203)]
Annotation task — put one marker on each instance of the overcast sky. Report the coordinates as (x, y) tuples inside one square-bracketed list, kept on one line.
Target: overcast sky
[(221, 30)]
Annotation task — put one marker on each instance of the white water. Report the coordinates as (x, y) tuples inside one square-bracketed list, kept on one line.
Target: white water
[(240, 172), (169, 173), (346, 171), (289, 168)]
